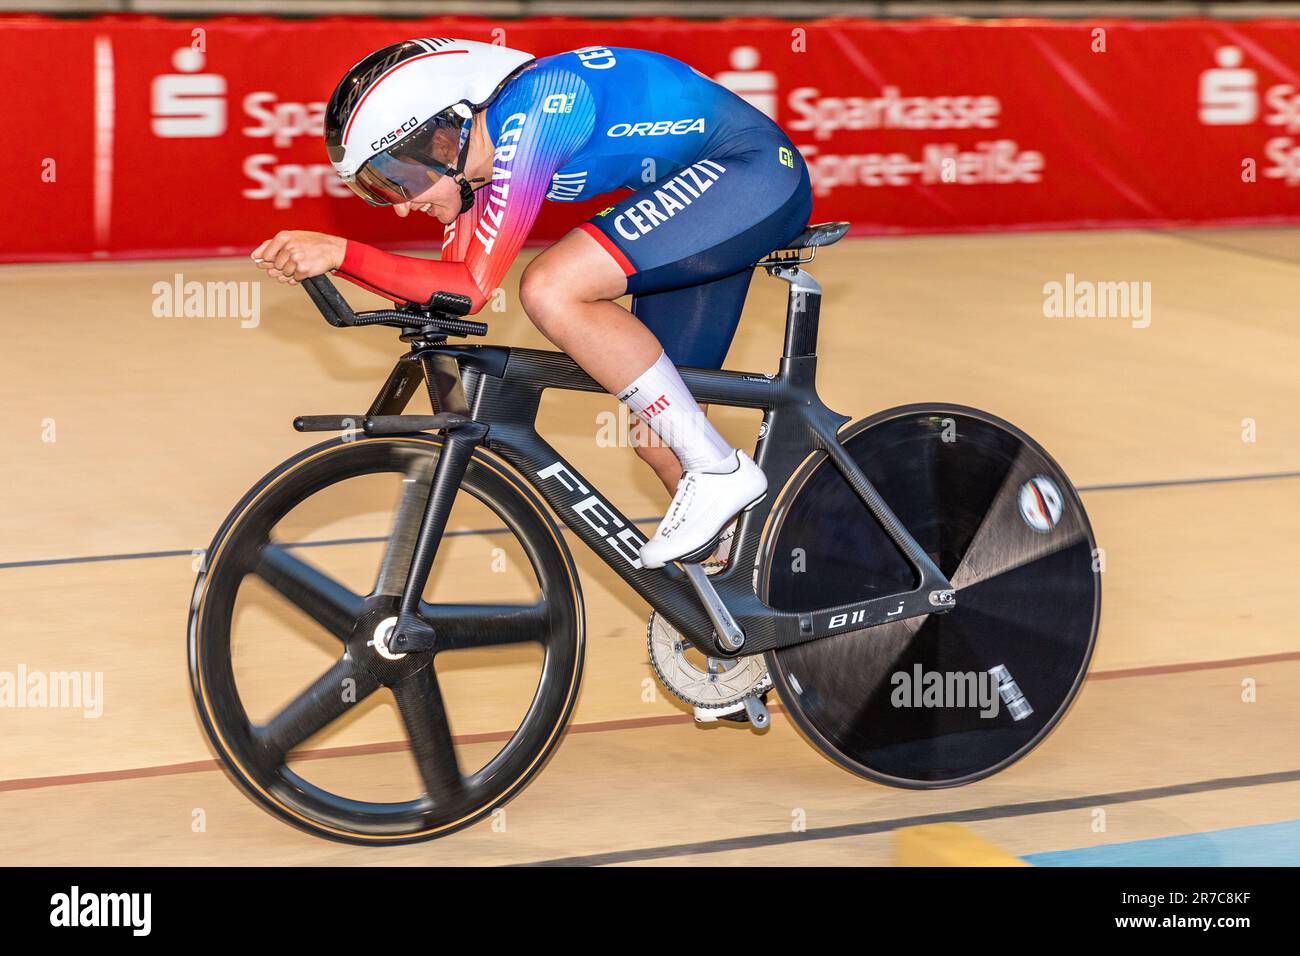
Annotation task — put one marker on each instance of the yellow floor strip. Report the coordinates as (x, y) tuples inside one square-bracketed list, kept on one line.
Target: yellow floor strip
[(948, 844)]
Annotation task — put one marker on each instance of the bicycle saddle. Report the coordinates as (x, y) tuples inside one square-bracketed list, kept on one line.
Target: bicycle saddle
[(820, 234)]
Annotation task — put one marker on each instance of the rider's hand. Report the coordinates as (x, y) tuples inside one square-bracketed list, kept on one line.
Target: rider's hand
[(294, 254)]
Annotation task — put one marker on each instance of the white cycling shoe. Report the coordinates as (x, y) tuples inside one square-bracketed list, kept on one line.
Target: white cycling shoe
[(704, 504)]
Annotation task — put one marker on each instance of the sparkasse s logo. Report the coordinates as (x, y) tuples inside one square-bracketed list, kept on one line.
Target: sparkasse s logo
[(1229, 92), (188, 103), (1232, 94)]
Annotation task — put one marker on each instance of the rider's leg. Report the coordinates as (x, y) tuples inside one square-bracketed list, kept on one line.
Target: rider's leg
[(663, 461), (704, 223), (566, 291), (652, 450), (696, 325)]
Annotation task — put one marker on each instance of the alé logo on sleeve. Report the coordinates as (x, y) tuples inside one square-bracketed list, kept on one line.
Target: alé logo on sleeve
[(559, 103)]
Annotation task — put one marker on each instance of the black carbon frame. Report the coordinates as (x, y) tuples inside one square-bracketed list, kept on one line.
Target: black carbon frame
[(797, 424), (500, 389)]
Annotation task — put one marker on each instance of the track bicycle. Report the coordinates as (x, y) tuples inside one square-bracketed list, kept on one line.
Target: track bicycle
[(918, 587)]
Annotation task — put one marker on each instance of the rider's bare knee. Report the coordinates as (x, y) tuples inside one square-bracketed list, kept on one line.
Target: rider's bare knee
[(543, 294)]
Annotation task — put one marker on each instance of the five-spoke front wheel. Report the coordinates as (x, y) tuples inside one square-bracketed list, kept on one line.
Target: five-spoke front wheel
[(306, 573)]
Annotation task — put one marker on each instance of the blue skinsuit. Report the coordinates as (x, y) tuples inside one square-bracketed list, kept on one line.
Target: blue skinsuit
[(715, 183)]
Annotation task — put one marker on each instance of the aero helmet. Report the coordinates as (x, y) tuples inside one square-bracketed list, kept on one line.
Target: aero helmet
[(401, 117)]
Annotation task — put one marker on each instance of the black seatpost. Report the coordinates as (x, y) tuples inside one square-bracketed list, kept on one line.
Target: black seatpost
[(803, 311)]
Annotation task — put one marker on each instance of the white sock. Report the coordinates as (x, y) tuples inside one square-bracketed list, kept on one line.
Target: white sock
[(661, 399)]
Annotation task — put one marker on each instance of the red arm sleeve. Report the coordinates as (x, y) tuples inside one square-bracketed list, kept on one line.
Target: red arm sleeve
[(407, 279)]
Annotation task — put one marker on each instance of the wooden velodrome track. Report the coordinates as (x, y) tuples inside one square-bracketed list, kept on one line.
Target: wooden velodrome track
[(161, 424)]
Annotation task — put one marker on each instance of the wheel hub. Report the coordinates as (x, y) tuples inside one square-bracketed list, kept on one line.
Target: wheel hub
[(369, 645), (383, 631)]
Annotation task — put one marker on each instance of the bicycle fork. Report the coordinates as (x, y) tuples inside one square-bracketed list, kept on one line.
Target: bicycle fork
[(412, 633)]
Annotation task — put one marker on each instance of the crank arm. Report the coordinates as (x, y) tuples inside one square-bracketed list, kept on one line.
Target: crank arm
[(726, 631)]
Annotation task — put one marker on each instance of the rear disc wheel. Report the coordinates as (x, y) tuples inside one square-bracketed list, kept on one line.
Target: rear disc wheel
[(948, 698)]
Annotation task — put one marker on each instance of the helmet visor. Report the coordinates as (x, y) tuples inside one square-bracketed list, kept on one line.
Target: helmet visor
[(408, 168)]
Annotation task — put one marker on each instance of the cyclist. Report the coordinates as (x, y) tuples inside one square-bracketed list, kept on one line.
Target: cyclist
[(477, 136)]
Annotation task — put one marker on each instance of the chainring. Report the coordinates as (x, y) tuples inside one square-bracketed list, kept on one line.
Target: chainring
[(724, 682)]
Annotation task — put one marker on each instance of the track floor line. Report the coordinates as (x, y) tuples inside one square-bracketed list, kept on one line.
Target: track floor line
[(593, 727), (147, 555), (973, 815)]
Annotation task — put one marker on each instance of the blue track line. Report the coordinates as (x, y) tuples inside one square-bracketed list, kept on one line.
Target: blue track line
[(1266, 844)]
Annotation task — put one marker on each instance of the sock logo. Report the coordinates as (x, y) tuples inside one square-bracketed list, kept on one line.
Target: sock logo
[(654, 408)]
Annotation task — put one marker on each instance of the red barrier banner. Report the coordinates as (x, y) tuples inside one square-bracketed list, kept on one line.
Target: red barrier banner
[(136, 136)]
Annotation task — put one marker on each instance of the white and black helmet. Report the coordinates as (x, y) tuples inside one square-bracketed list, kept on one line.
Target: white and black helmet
[(401, 117)]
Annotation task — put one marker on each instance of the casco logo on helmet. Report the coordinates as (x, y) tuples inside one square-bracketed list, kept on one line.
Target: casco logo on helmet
[(395, 135), (661, 128)]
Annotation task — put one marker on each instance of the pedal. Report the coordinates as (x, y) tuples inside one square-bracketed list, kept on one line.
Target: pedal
[(751, 710), (700, 555), (734, 712)]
